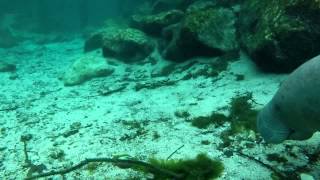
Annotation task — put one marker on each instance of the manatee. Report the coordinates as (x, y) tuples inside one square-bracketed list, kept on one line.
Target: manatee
[(294, 111)]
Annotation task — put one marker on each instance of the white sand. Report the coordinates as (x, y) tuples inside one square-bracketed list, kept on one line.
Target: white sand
[(46, 109)]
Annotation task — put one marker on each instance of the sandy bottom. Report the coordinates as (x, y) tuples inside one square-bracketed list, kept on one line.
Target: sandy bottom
[(68, 124)]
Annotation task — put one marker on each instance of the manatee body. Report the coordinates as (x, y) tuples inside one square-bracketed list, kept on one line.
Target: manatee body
[(294, 111)]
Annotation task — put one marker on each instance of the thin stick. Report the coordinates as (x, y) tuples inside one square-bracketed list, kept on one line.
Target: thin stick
[(10, 108), (174, 152), (151, 167), (277, 172)]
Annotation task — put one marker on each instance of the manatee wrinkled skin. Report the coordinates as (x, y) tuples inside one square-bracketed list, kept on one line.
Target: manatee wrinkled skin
[(294, 111)]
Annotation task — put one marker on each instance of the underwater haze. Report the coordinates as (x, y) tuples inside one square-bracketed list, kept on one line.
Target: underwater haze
[(160, 89), (64, 15)]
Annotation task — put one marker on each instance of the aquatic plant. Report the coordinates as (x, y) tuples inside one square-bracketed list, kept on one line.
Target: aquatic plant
[(277, 158), (155, 135), (203, 122), (200, 168), (58, 154), (182, 114), (91, 167), (242, 115)]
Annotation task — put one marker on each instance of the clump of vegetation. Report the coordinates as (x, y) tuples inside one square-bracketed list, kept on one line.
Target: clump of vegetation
[(242, 116), (226, 140), (182, 114), (135, 124), (57, 154), (205, 142), (155, 135), (277, 158), (203, 122), (137, 129), (201, 168), (93, 166)]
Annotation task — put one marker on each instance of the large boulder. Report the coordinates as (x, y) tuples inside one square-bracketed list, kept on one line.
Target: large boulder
[(280, 35), (125, 44), (204, 32), (90, 66), (154, 23)]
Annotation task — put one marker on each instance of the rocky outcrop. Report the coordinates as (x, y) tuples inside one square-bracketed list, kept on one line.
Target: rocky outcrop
[(203, 32), (86, 68), (154, 23), (125, 44), (280, 35)]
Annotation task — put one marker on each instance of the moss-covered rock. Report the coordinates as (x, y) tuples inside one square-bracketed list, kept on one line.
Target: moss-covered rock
[(204, 32), (280, 35), (125, 44), (153, 24), (128, 45), (86, 68)]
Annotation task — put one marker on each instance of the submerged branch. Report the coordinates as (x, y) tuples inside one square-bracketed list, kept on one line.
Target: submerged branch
[(132, 163)]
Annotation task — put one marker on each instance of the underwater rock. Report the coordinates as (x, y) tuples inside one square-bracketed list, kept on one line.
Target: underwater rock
[(85, 68), (6, 67), (293, 112), (203, 32), (125, 44), (94, 42), (280, 35), (153, 24), (128, 45)]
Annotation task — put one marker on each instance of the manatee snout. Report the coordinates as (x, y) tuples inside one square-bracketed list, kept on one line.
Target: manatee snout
[(293, 112), (270, 126), (273, 130)]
